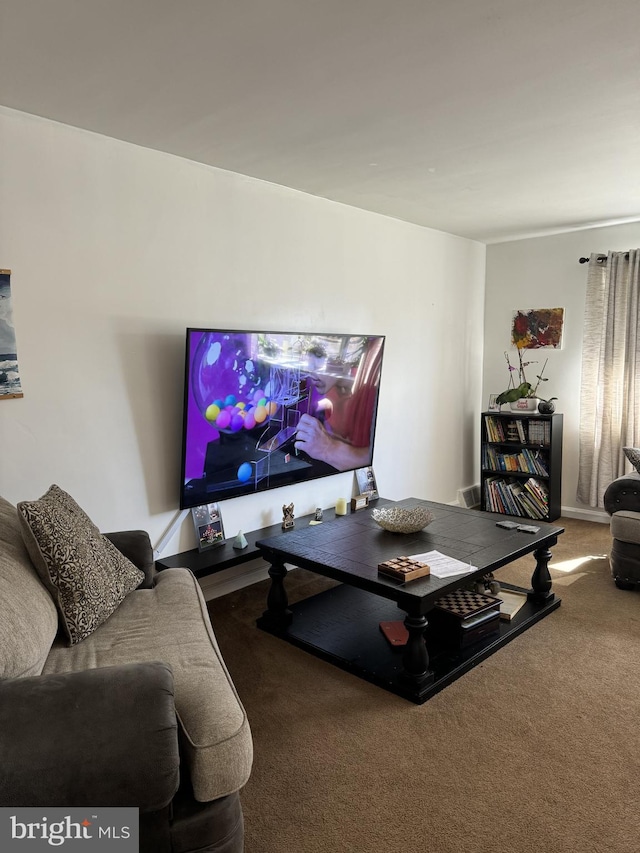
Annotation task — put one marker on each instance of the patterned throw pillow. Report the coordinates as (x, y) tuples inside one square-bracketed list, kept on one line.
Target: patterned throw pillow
[(633, 455), (84, 572)]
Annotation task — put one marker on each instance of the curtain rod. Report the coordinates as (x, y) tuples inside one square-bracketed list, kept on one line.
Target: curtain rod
[(600, 259)]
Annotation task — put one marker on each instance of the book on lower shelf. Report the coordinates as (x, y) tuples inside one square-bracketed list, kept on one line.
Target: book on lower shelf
[(510, 603), (528, 498), (462, 618), (466, 605)]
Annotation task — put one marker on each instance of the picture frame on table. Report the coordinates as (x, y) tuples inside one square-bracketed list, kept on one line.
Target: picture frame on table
[(493, 405), (207, 521), (366, 480)]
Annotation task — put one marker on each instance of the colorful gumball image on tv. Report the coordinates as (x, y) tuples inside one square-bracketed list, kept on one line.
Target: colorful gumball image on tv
[(233, 415), (231, 389), (244, 472)]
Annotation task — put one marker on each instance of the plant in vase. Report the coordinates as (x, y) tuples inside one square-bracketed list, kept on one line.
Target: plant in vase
[(547, 407), (522, 395)]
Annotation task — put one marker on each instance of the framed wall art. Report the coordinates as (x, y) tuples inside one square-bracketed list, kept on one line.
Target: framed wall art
[(537, 328), (10, 385)]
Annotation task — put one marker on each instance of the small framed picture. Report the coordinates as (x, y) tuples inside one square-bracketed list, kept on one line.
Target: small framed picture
[(367, 483), (208, 524), (359, 502), (493, 406)]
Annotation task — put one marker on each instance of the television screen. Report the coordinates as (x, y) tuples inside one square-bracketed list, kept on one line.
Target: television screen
[(268, 409)]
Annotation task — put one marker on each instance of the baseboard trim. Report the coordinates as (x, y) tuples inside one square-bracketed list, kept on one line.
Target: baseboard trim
[(599, 516), (230, 580)]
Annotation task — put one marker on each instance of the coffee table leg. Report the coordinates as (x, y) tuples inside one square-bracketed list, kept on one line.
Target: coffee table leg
[(540, 591), (415, 658), (277, 614)]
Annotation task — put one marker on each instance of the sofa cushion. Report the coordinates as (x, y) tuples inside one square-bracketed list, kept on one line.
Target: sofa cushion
[(85, 573), (28, 618), (170, 623), (633, 455), (625, 526)]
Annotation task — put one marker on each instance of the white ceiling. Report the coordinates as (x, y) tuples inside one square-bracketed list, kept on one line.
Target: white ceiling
[(490, 119)]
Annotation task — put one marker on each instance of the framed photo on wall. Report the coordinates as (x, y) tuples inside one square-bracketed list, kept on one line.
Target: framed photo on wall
[(207, 521), (10, 385)]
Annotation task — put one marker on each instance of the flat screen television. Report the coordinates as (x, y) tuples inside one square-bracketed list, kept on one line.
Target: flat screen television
[(270, 409)]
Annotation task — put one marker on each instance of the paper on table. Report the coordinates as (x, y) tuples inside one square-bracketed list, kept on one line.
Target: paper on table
[(442, 566)]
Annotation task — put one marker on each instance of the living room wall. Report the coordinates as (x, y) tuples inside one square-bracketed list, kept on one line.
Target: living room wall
[(544, 272), (115, 250)]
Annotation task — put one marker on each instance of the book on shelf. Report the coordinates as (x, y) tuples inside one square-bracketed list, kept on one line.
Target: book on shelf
[(510, 603), (513, 497), (525, 461), (528, 507), (495, 431), (518, 431), (539, 432), (512, 431), (539, 494)]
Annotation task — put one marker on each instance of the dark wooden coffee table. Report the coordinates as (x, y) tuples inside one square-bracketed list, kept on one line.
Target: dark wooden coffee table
[(341, 624)]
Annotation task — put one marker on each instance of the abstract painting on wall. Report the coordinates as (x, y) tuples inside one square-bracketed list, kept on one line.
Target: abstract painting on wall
[(10, 386), (537, 328)]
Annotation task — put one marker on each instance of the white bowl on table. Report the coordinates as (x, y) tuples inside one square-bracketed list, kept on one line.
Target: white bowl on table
[(397, 519)]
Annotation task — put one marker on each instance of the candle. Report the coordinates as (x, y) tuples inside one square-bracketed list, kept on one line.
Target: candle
[(341, 506)]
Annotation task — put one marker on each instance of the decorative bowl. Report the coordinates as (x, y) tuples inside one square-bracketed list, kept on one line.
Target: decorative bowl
[(399, 519)]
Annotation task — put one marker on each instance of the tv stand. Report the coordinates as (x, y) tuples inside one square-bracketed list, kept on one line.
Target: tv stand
[(225, 556)]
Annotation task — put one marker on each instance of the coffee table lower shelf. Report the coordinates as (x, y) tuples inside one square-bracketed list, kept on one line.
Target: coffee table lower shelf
[(341, 626)]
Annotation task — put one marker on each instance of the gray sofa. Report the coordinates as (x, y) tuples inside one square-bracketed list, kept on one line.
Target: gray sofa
[(622, 502), (139, 712)]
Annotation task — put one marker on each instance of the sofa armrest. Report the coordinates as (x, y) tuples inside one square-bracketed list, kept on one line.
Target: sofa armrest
[(623, 494), (136, 546), (103, 737)]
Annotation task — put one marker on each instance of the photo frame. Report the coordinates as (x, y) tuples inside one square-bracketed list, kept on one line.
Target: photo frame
[(493, 405), (207, 521), (367, 483)]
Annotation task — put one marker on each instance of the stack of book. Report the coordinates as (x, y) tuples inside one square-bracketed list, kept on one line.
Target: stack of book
[(539, 432), (536, 496), (495, 430), (512, 431), (462, 618), (525, 461), (501, 431), (529, 499)]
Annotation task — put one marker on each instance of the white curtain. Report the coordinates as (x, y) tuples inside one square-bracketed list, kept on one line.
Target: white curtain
[(610, 391)]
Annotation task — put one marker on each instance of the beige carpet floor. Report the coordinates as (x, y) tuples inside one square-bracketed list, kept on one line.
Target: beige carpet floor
[(537, 750)]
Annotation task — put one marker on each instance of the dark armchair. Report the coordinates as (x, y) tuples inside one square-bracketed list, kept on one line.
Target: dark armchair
[(622, 502)]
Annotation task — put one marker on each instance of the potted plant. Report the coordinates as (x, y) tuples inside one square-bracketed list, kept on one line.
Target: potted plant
[(546, 407), (522, 396)]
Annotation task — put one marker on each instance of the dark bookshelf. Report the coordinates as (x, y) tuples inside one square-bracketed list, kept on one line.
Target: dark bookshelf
[(521, 464)]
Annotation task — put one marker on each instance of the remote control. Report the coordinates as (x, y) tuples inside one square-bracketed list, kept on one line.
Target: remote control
[(527, 528)]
